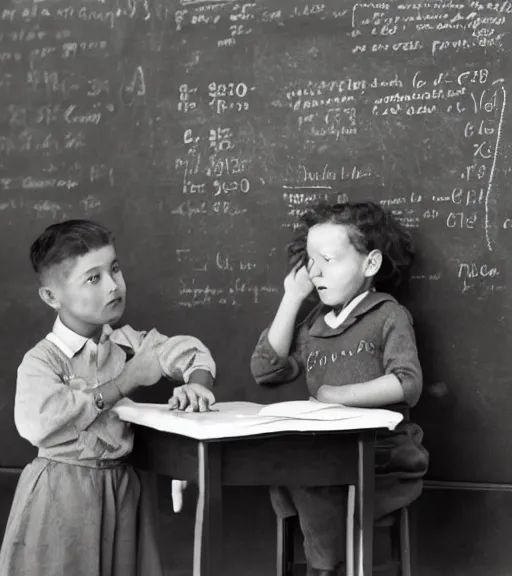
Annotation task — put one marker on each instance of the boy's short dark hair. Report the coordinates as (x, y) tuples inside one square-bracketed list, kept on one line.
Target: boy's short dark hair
[(65, 240)]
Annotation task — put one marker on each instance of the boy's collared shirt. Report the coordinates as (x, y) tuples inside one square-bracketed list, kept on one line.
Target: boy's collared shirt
[(65, 339), (54, 406)]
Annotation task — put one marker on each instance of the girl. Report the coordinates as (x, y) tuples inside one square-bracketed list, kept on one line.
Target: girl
[(357, 348)]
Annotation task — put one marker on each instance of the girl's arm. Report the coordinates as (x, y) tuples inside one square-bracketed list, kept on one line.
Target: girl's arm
[(297, 287), (271, 361), (402, 379), (372, 394), (281, 331)]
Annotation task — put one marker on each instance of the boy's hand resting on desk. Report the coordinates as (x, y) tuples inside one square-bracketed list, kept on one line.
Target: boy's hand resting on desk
[(192, 398)]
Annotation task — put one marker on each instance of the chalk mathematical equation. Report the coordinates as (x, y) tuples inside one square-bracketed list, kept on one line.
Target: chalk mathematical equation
[(243, 109), (473, 101), (215, 175)]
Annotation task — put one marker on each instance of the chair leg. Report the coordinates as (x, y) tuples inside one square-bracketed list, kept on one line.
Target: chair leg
[(405, 544), (285, 545)]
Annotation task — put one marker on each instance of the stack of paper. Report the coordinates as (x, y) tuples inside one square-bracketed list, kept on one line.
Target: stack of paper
[(232, 419)]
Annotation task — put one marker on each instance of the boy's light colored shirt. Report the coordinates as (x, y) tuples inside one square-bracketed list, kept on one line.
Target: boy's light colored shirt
[(54, 408)]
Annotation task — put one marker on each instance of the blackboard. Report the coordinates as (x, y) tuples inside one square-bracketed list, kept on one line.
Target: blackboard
[(199, 130)]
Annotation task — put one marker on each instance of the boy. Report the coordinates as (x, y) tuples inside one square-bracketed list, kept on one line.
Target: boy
[(79, 508)]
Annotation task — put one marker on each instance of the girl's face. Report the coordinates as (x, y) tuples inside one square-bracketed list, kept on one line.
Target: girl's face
[(338, 271)]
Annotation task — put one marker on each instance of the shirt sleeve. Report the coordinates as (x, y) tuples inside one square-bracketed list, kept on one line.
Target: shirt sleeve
[(47, 411), (400, 355), (269, 368), (180, 356)]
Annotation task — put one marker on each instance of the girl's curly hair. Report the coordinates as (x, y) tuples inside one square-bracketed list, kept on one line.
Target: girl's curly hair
[(370, 227)]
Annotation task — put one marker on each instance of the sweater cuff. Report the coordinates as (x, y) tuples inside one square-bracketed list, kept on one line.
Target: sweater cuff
[(265, 351), (411, 391)]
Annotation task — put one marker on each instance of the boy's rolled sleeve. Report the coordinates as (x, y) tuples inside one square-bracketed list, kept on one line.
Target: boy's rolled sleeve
[(180, 356), (400, 355), (269, 368), (47, 411)]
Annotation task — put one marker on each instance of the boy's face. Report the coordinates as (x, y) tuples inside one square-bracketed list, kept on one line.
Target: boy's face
[(88, 291), (338, 271)]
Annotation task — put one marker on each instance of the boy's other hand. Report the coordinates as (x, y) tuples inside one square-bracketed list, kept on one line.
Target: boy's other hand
[(192, 397), (298, 283), (145, 365)]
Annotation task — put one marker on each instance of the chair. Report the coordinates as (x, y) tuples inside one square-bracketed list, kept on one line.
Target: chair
[(393, 528)]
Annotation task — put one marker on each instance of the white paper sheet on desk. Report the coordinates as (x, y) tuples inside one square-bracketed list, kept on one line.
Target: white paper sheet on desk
[(232, 419)]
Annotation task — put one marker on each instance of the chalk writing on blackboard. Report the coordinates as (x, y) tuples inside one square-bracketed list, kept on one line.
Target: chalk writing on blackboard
[(218, 170)]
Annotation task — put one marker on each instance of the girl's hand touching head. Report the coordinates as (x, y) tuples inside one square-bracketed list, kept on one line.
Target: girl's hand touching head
[(298, 284)]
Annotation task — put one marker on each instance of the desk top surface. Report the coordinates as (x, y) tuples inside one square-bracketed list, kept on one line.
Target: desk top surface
[(242, 419)]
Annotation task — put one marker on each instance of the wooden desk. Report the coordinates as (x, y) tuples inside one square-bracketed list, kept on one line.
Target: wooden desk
[(298, 458)]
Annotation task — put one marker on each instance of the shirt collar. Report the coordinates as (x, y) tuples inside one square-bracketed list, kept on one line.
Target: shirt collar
[(333, 321), (69, 342), (319, 328)]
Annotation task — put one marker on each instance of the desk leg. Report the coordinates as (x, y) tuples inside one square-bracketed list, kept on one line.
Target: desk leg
[(350, 545), (208, 528), (364, 514)]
